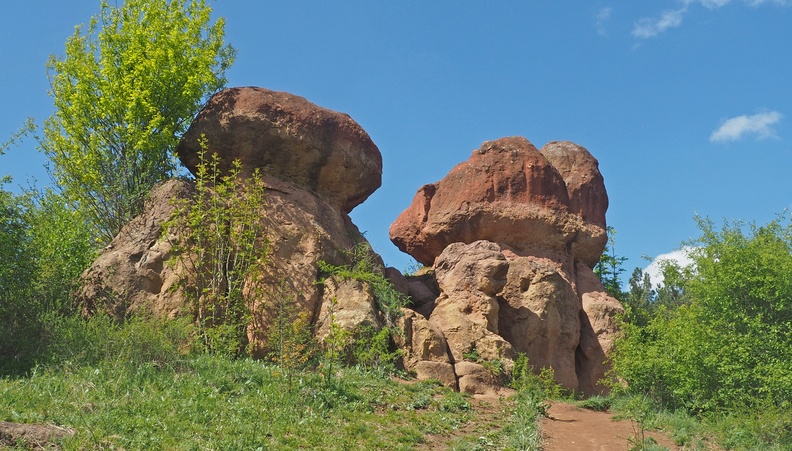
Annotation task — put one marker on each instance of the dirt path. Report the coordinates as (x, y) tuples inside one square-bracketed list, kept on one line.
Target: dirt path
[(570, 428)]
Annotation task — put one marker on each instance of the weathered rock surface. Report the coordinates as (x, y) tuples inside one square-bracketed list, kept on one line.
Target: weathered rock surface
[(505, 192), (316, 164), (598, 330), (512, 235), (133, 273), (290, 138), (425, 350), (138, 271), (466, 312), (585, 185)]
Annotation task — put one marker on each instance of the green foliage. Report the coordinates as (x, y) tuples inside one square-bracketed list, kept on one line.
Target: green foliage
[(102, 341), (597, 403), (472, 355), (610, 267), (222, 247), (18, 136), (640, 411), (639, 302), (44, 246), (494, 366), (125, 91), (364, 269), (373, 349), (542, 385), (63, 245), (212, 402), (726, 341), (289, 339), (17, 266), (523, 431), (335, 344), (367, 346)]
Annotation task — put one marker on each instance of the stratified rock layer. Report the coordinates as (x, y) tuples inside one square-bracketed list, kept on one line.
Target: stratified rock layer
[(290, 138)]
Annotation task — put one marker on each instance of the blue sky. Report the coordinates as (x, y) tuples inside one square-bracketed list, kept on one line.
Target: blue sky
[(687, 105)]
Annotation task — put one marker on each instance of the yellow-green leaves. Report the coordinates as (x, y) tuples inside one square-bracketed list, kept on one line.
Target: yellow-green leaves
[(222, 248), (125, 91)]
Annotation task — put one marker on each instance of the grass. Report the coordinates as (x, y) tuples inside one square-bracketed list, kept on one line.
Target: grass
[(136, 386), (131, 387), (217, 403), (768, 428)]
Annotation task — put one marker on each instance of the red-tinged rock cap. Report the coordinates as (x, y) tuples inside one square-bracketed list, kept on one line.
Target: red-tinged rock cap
[(510, 193), (584, 182), (288, 137)]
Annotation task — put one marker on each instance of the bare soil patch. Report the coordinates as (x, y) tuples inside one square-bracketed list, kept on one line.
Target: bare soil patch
[(35, 436), (570, 428)]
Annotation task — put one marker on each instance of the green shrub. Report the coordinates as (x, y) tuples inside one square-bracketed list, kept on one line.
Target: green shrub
[(730, 345), (597, 403), (542, 385), (222, 246), (45, 244), (374, 349)]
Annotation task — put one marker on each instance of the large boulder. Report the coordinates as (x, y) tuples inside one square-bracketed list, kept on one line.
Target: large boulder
[(140, 273), (316, 164), (424, 349), (136, 271), (470, 277), (505, 193), (286, 136), (513, 234)]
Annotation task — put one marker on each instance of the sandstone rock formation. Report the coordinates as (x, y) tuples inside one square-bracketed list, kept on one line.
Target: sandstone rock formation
[(317, 165), (506, 191), (290, 138), (513, 234)]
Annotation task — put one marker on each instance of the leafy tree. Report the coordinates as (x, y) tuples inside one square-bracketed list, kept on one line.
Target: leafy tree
[(726, 342), (610, 267), (639, 301), (124, 93)]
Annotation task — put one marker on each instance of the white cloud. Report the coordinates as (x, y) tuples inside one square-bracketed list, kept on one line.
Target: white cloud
[(712, 4), (758, 124), (649, 27), (681, 257), (602, 17), (760, 2)]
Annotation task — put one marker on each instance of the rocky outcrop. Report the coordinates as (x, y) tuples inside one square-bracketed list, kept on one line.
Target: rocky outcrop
[(136, 270), (505, 192), (316, 165), (290, 138), (425, 350), (513, 234)]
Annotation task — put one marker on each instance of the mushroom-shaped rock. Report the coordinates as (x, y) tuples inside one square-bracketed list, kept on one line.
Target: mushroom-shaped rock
[(508, 193), (290, 138)]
